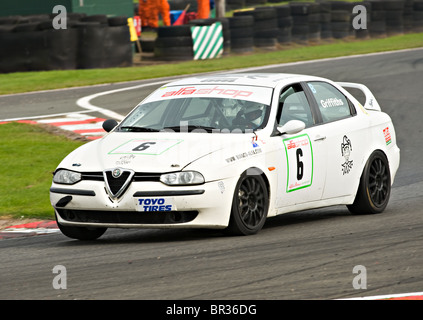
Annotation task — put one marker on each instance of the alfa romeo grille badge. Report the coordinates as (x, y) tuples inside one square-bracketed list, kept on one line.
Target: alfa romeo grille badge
[(116, 173)]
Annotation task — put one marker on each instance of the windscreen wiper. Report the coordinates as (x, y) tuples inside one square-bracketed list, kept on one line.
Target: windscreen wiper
[(190, 128), (139, 129)]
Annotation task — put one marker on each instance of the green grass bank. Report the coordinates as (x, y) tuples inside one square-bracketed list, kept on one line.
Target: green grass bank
[(46, 80)]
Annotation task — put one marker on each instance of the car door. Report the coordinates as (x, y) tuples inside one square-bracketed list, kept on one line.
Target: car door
[(344, 134), (303, 173)]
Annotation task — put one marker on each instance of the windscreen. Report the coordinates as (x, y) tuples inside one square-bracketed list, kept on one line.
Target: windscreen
[(202, 109)]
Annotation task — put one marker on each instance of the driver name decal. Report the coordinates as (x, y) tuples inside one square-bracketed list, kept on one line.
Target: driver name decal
[(331, 102)]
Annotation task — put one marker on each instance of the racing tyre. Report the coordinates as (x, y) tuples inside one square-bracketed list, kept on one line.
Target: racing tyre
[(81, 233), (375, 186), (250, 204)]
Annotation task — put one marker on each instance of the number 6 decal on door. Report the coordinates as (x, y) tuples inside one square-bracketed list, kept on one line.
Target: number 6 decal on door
[(299, 158)]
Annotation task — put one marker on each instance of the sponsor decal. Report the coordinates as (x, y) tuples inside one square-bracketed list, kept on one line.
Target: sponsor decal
[(261, 95), (125, 160), (387, 136), (254, 141), (346, 148), (154, 204), (312, 88), (233, 93), (299, 156), (297, 143), (362, 109), (221, 186), (244, 155)]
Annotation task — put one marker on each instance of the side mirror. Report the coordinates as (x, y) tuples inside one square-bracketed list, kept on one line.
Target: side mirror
[(109, 124), (291, 127)]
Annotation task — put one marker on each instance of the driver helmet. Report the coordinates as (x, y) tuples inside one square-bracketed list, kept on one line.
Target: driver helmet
[(253, 112)]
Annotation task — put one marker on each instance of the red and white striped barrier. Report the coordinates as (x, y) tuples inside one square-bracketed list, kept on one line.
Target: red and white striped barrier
[(90, 127), (29, 229), (87, 126)]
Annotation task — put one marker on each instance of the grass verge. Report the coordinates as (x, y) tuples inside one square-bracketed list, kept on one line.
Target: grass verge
[(34, 81), (29, 156)]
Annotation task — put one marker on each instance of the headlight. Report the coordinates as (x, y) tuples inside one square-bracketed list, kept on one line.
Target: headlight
[(66, 177), (182, 178)]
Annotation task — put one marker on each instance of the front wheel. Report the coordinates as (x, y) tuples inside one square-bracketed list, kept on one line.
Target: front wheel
[(250, 205), (81, 233), (375, 186)]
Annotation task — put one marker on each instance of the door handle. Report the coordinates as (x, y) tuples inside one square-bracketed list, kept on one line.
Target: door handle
[(319, 138)]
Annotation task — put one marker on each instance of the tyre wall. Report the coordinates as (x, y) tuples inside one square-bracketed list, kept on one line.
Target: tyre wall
[(30, 43), (174, 43), (265, 26), (302, 23), (241, 33)]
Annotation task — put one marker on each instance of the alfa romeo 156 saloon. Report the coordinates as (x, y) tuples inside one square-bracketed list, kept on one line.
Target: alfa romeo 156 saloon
[(227, 151)]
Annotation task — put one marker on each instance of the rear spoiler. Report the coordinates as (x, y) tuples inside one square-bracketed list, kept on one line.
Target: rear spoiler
[(371, 102)]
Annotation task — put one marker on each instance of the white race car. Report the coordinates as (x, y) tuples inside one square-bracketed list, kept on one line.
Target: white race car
[(226, 151)]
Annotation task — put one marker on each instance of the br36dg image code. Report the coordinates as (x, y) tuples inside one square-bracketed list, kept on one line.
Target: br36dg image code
[(221, 309), (213, 309)]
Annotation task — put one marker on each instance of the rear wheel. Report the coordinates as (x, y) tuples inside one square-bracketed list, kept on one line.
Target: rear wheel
[(250, 205), (375, 186)]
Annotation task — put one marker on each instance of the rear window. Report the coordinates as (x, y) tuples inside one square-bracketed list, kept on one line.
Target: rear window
[(333, 105)]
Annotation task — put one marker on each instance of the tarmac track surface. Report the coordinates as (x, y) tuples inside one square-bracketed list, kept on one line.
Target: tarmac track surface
[(306, 255)]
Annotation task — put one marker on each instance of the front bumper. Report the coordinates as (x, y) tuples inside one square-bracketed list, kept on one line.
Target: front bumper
[(88, 204)]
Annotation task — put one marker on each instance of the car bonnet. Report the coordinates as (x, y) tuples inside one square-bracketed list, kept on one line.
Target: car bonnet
[(153, 152)]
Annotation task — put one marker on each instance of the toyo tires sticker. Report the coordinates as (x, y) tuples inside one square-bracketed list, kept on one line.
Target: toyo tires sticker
[(154, 204), (299, 159)]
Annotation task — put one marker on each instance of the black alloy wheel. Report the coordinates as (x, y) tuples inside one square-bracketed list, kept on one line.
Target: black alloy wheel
[(375, 186), (250, 205), (379, 182)]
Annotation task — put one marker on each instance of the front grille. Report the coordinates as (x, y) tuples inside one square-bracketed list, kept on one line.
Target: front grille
[(127, 217), (147, 176), (115, 184), (92, 176), (138, 176)]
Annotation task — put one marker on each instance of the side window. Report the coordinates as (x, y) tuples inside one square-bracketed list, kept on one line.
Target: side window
[(293, 105), (332, 103)]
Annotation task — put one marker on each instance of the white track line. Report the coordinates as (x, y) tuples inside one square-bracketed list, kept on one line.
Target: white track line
[(85, 102)]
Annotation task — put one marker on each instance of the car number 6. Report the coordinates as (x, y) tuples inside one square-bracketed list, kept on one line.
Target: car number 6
[(143, 146), (300, 165)]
